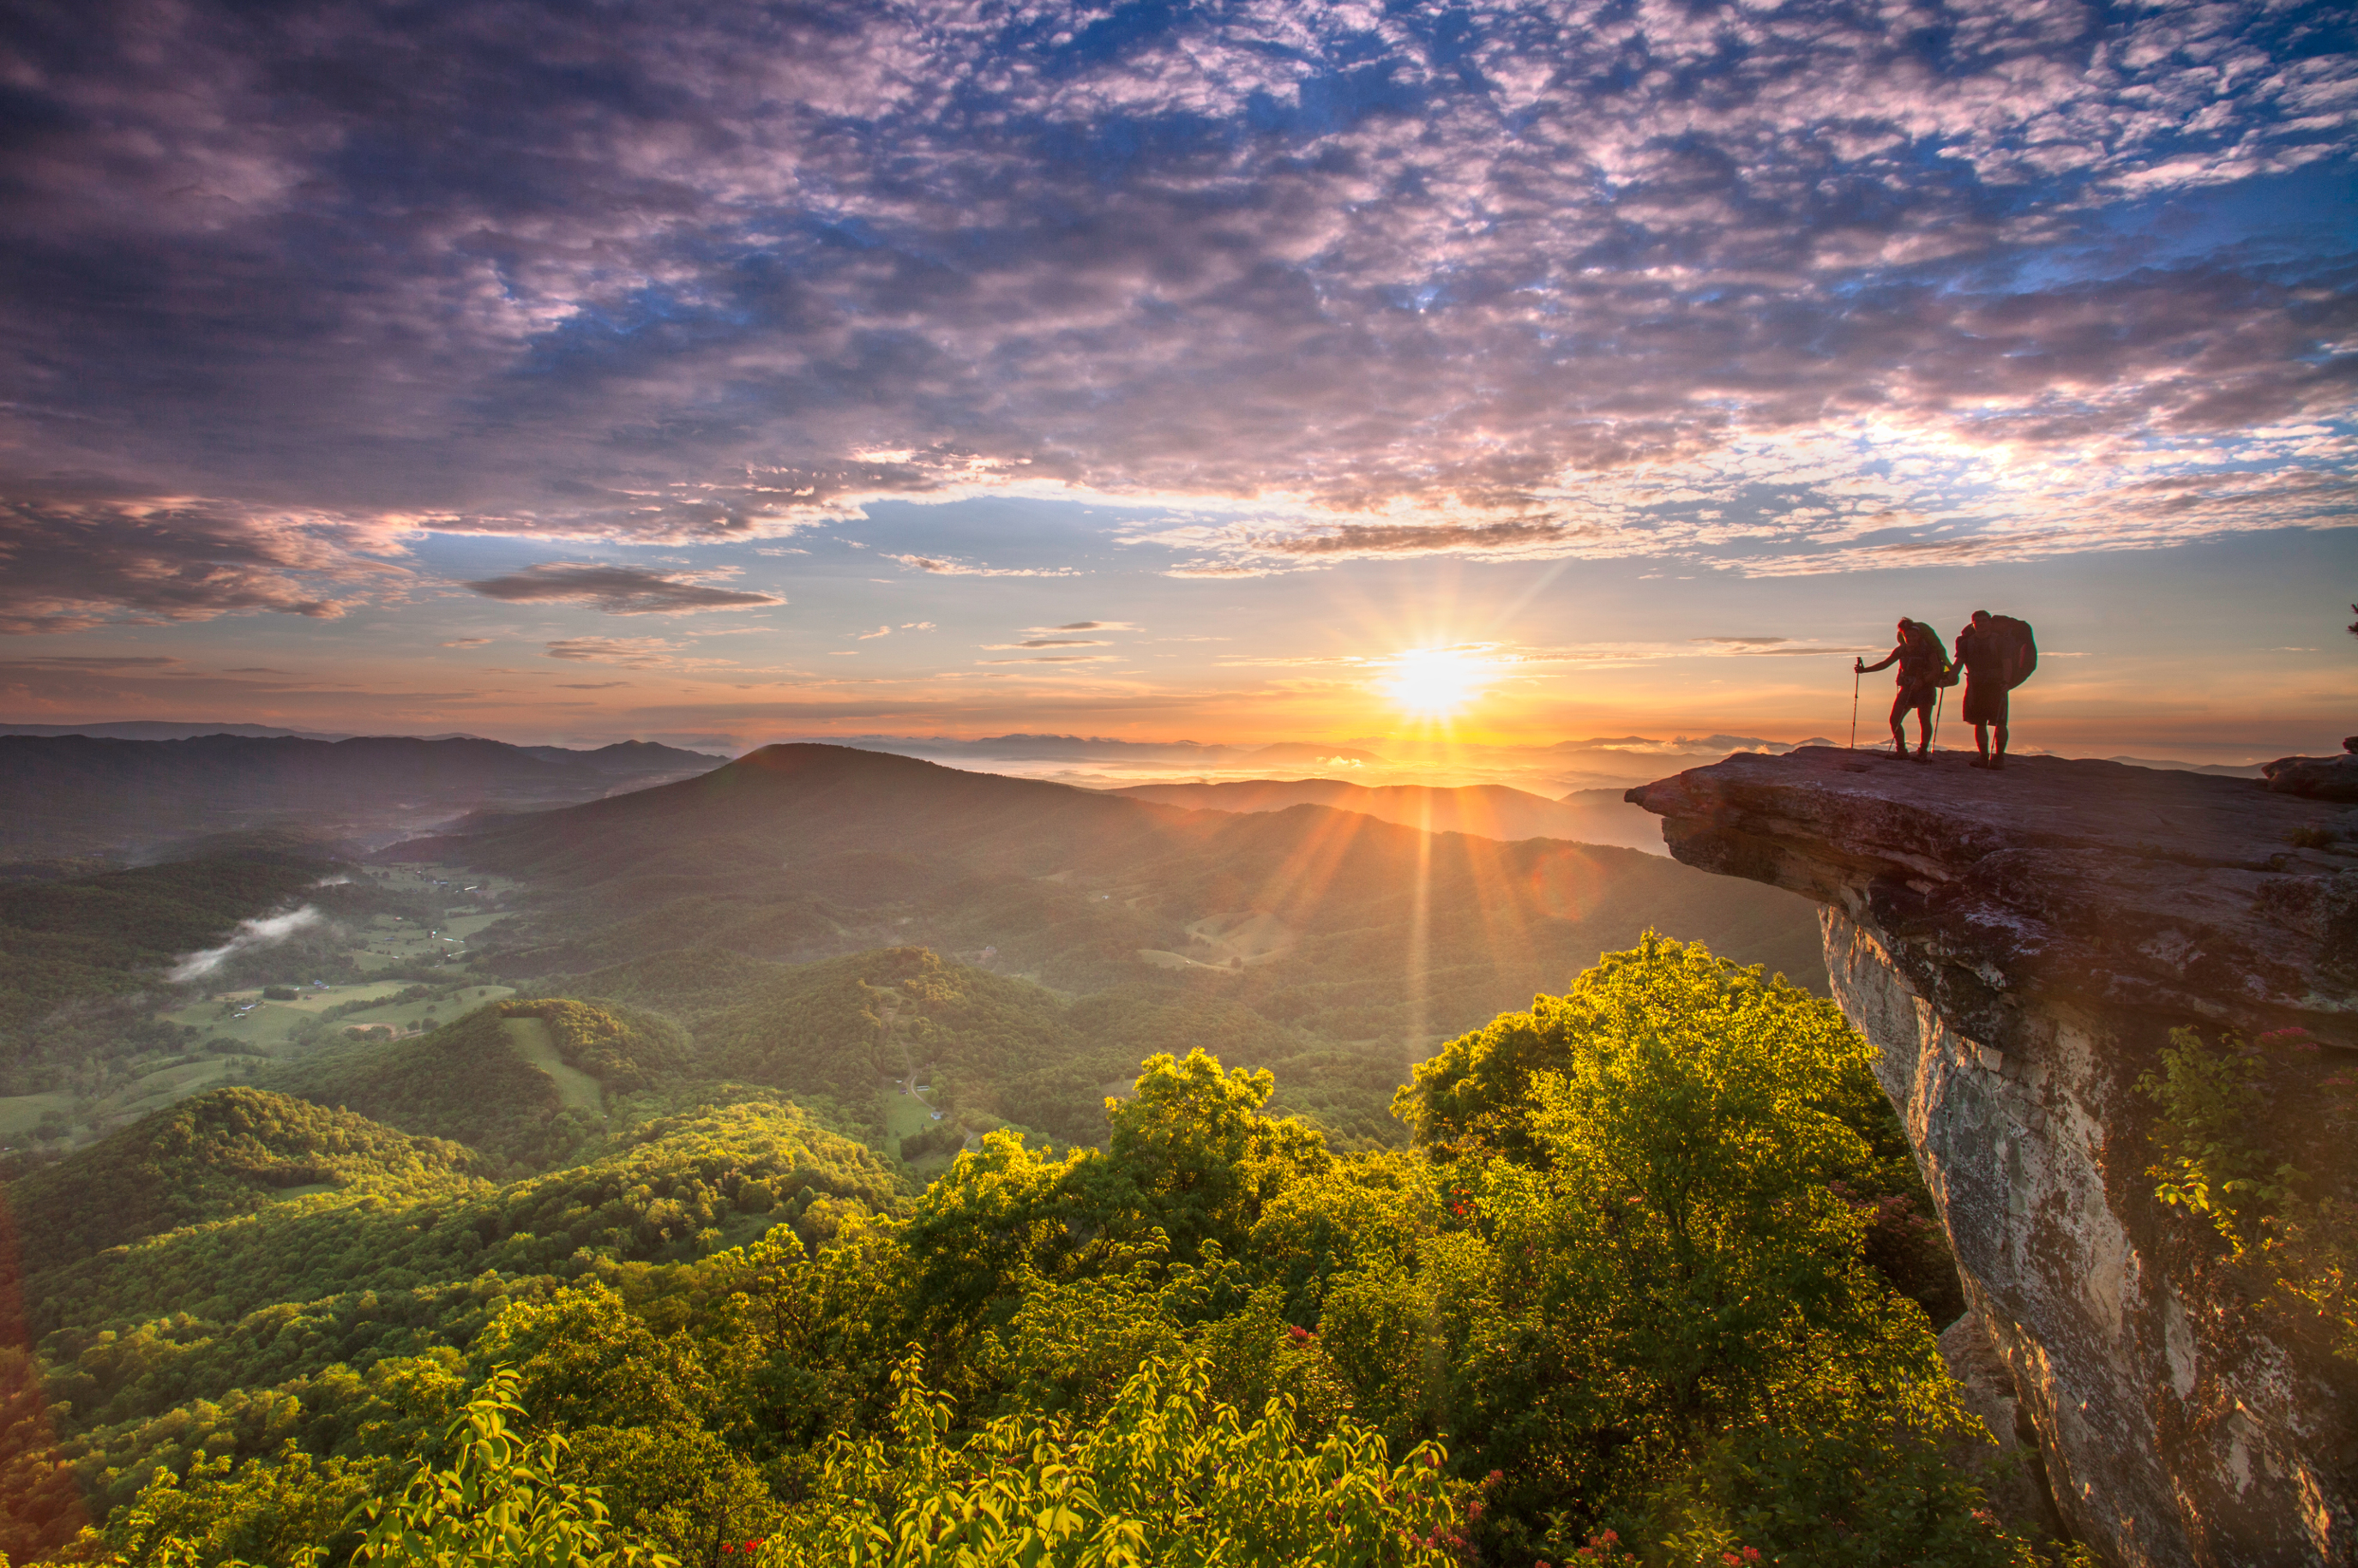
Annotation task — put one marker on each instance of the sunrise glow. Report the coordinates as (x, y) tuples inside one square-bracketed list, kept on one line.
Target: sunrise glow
[(1436, 683)]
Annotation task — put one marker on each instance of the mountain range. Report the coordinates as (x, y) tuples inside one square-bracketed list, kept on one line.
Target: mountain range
[(79, 795), (1487, 811)]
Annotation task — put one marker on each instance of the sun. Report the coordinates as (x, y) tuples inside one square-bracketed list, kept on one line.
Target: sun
[(1434, 683)]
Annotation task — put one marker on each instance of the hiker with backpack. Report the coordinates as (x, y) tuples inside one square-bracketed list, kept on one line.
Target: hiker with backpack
[(1997, 654), (1924, 669)]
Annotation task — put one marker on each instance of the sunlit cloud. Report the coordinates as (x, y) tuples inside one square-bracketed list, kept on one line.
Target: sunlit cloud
[(941, 568), (1286, 287), (643, 653), (617, 590)]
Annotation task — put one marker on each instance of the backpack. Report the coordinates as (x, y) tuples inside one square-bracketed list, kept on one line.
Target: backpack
[(2021, 648), (1924, 647)]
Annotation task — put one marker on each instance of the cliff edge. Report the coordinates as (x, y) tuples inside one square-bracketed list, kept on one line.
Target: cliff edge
[(2017, 945)]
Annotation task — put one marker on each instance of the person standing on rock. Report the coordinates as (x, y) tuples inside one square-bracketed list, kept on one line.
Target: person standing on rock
[(1922, 669), (1997, 654)]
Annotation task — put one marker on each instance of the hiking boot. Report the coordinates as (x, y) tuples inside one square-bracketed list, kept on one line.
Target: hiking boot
[(1980, 763)]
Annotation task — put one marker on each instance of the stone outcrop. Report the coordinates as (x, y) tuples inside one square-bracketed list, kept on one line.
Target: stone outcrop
[(2319, 778), (2017, 946)]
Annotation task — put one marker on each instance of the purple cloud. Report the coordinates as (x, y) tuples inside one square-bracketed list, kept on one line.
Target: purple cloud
[(1789, 289), (617, 590)]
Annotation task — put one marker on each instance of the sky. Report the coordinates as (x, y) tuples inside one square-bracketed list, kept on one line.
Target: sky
[(1404, 374)]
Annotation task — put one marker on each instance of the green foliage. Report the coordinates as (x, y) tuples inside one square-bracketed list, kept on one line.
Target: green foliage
[(2212, 1099), (466, 1081), (1620, 1284), (842, 1027), (294, 1510), (1193, 1159), (65, 940), (2286, 1212), (1804, 1073), (229, 1152), (619, 1046), (651, 1198), (1167, 1477), (500, 1502)]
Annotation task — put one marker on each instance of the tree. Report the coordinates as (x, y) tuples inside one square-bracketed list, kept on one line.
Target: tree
[(1169, 1477), (1192, 1157), (498, 1502)]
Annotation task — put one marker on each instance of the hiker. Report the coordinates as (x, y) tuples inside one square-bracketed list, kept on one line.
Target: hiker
[(1922, 666), (1997, 654)]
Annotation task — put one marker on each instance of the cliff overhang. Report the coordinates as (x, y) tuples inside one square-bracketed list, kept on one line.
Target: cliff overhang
[(2017, 945)]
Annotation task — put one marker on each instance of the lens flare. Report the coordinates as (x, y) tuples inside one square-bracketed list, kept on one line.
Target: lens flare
[(1434, 683)]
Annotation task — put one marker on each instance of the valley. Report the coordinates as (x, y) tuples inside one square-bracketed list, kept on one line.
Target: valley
[(642, 1053)]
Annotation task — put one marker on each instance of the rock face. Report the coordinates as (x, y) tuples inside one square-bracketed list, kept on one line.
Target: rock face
[(2322, 778), (2017, 945)]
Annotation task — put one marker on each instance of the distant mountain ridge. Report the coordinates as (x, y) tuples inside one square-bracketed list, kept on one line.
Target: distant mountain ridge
[(1487, 811), (1350, 927), (66, 795)]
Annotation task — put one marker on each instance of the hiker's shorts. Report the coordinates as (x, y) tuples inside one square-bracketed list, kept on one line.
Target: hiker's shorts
[(1985, 704)]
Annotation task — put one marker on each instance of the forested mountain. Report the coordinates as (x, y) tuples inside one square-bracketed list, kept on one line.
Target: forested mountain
[(66, 795), (1329, 923), (1547, 1327), (82, 937), (1487, 811), (852, 1132), (216, 1157)]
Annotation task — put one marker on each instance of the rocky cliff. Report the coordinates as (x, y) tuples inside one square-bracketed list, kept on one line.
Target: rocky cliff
[(2018, 945)]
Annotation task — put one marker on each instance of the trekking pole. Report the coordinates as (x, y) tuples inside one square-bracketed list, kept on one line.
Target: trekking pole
[(1940, 701), (1854, 678)]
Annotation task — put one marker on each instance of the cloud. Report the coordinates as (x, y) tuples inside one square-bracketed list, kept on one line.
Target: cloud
[(469, 642), (958, 568), (617, 590), (1511, 534), (1787, 289), (73, 561), (871, 636), (1081, 626), (250, 937), (638, 653), (1054, 643), (591, 686)]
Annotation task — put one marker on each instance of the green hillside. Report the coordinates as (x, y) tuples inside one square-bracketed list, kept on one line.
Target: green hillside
[(84, 937), (221, 1155), (468, 1081), (1332, 946), (743, 1327)]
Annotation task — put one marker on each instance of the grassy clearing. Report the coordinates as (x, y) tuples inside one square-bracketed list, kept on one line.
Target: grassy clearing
[(265, 1030), (906, 1115), (19, 1114), (159, 1089), (579, 1090)]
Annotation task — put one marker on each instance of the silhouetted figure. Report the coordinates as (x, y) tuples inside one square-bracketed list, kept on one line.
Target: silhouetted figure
[(1997, 654), (1921, 666)]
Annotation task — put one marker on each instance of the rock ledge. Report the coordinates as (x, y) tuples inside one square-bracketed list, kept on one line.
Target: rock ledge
[(2017, 945)]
